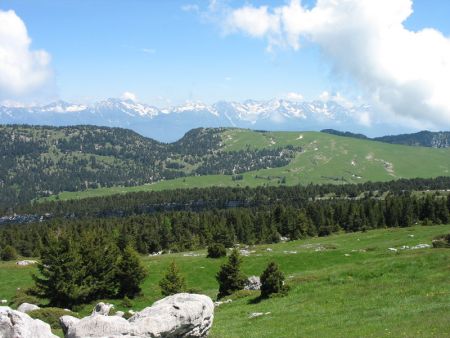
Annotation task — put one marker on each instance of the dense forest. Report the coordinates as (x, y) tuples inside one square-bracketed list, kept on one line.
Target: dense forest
[(261, 215), (38, 161)]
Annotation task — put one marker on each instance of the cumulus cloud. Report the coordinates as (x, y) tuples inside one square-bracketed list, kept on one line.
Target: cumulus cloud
[(405, 73), (23, 71), (129, 96)]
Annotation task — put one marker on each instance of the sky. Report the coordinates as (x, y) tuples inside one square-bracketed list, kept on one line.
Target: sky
[(392, 54)]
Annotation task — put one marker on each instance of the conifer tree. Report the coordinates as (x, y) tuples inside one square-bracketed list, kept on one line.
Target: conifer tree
[(271, 280), (230, 277), (8, 253), (130, 273), (173, 282)]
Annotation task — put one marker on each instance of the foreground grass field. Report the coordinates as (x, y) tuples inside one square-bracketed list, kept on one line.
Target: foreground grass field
[(346, 285), (325, 159)]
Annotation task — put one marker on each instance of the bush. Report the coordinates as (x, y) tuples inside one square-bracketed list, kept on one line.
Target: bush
[(51, 315), (442, 241), (230, 277), (272, 281), (8, 253), (23, 296), (173, 282), (216, 250), (126, 302)]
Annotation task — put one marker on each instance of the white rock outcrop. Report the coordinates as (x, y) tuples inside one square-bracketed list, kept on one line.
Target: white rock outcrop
[(102, 309), (16, 324), (253, 283), (27, 307), (181, 315)]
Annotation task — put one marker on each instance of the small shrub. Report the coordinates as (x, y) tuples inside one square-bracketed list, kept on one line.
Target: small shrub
[(173, 282), (272, 281), (8, 253), (216, 250), (23, 296), (442, 241), (51, 315), (126, 302)]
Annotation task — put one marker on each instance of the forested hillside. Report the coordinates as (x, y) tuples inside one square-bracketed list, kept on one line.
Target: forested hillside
[(40, 161)]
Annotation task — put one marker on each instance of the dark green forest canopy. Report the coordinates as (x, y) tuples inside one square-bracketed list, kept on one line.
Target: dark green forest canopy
[(292, 212)]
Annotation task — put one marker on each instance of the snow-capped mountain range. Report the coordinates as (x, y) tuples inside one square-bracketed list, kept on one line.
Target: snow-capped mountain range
[(169, 124)]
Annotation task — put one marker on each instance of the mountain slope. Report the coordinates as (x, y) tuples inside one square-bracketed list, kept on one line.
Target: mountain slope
[(318, 158)]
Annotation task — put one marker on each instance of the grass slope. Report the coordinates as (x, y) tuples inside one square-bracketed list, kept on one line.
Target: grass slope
[(326, 159), (356, 287)]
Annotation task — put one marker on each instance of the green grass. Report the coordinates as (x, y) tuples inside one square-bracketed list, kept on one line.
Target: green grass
[(326, 159), (355, 288)]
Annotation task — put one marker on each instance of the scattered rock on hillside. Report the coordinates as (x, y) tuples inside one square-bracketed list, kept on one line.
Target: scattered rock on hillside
[(27, 307), (102, 309), (218, 303), (253, 283), (4, 301), (26, 262), (177, 316), (16, 324), (257, 314)]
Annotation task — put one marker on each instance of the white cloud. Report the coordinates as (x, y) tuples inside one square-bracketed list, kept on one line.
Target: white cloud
[(406, 74), (190, 8), (129, 96), (148, 50), (294, 96), (22, 71)]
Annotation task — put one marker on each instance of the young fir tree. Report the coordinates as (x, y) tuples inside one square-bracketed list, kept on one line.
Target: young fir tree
[(173, 282), (271, 280), (130, 273), (230, 277)]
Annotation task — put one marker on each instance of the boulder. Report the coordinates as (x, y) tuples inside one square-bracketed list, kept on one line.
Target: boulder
[(97, 326), (253, 283), (119, 314), (66, 322), (180, 315), (102, 309), (16, 324), (27, 307)]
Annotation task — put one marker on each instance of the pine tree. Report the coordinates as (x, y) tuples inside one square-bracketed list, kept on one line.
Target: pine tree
[(271, 280), (173, 282), (230, 277), (130, 273)]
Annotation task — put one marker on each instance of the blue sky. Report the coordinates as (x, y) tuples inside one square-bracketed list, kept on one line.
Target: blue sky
[(166, 55)]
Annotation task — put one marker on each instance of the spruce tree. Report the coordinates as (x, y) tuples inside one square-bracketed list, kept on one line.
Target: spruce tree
[(130, 273), (62, 273), (230, 277), (173, 282), (271, 280)]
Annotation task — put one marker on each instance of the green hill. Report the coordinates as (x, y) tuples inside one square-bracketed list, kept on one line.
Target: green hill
[(82, 161), (344, 285), (319, 158)]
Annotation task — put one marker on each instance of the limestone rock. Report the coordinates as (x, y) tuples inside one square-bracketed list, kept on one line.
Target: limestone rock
[(253, 283), (27, 307), (66, 322), (102, 309), (180, 315), (16, 324), (98, 326)]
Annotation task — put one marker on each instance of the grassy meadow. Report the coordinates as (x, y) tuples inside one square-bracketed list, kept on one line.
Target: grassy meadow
[(325, 159), (344, 285)]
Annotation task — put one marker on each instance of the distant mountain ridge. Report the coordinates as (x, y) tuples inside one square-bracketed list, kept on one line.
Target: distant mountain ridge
[(170, 124), (439, 139)]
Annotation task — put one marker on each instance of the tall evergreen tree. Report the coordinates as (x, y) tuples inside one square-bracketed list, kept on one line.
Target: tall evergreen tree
[(130, 273), (230, 277)]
